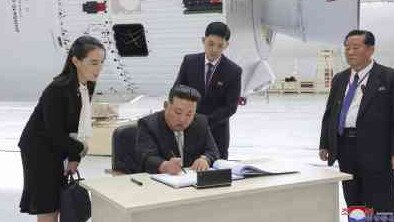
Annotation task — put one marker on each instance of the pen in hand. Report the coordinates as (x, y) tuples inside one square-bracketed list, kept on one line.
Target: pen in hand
[(173, 155), (183, 170), (139, 183)]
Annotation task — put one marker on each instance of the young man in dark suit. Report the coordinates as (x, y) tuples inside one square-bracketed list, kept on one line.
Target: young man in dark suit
[(358, 125), (218, 80), (177, 136)]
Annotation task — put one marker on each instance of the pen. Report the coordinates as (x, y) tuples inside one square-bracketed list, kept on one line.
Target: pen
[(139, 183), (173, 155)]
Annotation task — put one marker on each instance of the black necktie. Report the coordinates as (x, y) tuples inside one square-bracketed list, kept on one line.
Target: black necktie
[(209, 74)]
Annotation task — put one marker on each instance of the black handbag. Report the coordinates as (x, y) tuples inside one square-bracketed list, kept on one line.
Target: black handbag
[(75, 205)]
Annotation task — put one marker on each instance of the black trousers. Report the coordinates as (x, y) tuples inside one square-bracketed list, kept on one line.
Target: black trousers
[(221, 134), (369, 188)]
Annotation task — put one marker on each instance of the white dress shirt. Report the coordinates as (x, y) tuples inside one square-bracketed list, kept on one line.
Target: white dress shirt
[(351, 117), (215, 64), (85, 117)]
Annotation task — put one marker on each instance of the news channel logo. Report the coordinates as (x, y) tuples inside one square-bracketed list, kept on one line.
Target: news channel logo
[(365, 214)]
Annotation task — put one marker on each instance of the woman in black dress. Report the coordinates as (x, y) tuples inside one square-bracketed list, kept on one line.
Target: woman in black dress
[(58, 129)]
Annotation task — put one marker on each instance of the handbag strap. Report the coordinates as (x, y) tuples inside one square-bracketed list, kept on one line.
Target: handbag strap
[(71, 179)]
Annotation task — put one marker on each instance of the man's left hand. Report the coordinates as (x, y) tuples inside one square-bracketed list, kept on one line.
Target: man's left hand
[(200, 164)]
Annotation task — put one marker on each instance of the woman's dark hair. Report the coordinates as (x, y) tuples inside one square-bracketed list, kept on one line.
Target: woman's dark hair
[(80, 48)]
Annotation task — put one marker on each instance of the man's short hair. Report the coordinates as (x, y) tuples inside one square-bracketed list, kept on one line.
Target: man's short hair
[(184, 92), (369, 38), (218, 28)]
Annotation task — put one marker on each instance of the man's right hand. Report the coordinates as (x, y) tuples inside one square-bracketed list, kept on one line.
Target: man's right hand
[(324, 154), (172, 166)]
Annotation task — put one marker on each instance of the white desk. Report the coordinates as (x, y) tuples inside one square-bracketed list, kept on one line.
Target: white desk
[(309, 196)]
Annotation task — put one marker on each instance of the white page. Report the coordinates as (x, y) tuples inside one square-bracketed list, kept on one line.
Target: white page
[(177, 181), (274, 167), (182, 179), (263, 168), (235, 166)]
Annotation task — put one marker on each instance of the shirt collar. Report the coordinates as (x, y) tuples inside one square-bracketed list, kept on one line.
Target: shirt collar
[(178, 133), (82, 86), (362, 72), (214, 62)]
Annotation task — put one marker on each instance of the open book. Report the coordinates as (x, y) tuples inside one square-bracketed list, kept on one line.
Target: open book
[(248, 170), (182, 179), (177, 181), (239, 171)]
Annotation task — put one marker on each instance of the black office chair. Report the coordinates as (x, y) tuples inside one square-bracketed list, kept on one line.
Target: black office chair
[(123, 149)]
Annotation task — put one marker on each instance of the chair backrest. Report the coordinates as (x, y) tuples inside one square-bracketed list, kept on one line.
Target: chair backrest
[(123, 149)]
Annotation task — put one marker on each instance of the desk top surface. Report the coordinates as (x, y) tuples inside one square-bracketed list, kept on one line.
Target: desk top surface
[(122, 192)]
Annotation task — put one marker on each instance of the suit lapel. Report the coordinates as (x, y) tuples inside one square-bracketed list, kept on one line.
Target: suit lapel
[(216, 75), (75, 101), (169, 146), (78, 98), (189, 141), (342, 88), (201, 70), (370, 90), (186, 144)]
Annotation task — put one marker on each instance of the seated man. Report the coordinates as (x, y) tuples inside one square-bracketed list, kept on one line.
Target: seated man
[(177, 136)]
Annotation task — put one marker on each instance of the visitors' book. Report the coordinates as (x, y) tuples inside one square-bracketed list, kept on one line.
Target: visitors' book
[(249, 170)]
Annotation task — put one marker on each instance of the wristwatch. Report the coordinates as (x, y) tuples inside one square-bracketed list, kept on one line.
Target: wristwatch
[(206, 159)]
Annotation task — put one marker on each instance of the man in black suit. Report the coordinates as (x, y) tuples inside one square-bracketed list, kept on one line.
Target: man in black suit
[(177, 136), (218, 80), (358, 125)]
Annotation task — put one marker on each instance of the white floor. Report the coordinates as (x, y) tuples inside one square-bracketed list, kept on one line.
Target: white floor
[(287, 128)]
